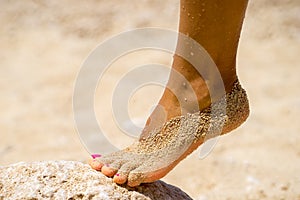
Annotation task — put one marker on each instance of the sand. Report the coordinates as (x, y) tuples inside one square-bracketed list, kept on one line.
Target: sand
[(45, 43)]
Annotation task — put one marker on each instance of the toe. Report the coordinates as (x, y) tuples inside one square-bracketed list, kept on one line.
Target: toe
[(108, 171), (111, 169), (135, 179), (145, 174), (95, 164), (98, 163), (120, 178), (122, 174)]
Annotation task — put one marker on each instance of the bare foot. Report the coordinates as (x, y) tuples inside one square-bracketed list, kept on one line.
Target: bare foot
[(178, 129), (161, 149)]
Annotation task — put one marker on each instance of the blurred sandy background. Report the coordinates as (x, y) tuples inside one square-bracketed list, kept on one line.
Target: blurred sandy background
[(43, 44)]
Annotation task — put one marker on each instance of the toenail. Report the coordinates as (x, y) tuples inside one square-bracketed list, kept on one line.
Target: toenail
[(117, 174), (107, 165), (96, 156)]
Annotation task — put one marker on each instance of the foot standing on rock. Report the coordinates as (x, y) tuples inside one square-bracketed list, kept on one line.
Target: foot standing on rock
[(165, 141)]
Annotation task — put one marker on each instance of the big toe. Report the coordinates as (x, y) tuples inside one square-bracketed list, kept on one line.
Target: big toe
[(135, 179), (122, 175)]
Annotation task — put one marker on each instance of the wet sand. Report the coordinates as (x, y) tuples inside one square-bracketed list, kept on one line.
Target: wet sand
[(44, 44)]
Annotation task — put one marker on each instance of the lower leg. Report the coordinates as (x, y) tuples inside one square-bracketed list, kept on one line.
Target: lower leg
[(215, 25)]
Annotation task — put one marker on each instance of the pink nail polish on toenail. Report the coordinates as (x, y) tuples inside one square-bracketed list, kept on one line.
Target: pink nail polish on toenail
[(96, 156), (107, 165), (117, 174)]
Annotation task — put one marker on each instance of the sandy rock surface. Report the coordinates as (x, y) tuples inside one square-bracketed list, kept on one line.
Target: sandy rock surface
[(73, 180)]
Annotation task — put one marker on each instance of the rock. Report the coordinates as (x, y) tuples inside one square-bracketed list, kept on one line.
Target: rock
[(73, 180)]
